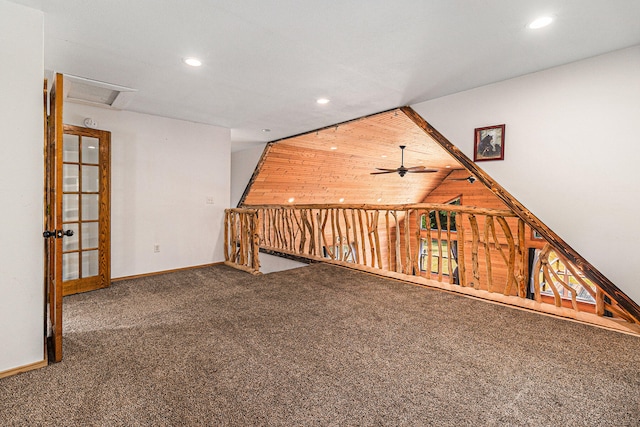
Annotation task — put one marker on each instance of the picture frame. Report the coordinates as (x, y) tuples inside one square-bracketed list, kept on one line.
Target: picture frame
[(489, 143)]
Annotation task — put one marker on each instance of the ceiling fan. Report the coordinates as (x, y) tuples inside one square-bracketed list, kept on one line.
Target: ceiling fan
[(402, 170)]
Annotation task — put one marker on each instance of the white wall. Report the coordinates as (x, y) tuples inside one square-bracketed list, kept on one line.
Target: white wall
[(571, 152), (243, 163), (21, 187), (162, 172)]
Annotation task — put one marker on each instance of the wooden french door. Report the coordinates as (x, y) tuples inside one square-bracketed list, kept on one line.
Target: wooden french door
[(85, 209), (77, 212)]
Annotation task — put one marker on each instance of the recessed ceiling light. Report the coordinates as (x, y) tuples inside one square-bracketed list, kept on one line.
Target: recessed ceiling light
[(194, 62), (266, 130), (341, 200), (448, 166), (322, 101), (384, 156), (543, 21), (379, 199), (291, 200), (334, 148)]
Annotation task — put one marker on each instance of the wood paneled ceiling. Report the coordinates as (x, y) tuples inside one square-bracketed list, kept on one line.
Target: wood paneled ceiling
[(334, 164)]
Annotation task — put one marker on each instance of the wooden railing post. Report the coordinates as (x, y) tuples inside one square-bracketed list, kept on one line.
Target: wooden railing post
[(242, 239)]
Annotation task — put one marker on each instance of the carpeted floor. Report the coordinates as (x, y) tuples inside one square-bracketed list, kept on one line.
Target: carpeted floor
[(320, 345)]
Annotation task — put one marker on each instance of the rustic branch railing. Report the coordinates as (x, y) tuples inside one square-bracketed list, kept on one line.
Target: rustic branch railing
[(390, 238), (558, 277), (475, 251), (241, 239)]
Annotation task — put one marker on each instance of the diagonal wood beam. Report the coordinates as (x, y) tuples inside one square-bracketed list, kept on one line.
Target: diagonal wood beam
[(560, 245)]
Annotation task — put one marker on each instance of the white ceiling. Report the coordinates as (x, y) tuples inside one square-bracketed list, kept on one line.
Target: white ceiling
[(267, 61)]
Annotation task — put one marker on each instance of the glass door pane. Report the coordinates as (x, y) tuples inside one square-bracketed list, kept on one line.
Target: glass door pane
[(90, 150), (71, 182), (90, 235), (90, 207), (89, 263), (70, 266), (69, 207), (90, 180), (70, 149), (70, 243)]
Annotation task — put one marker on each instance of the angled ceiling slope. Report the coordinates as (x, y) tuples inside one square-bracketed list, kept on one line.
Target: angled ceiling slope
[(334, 164)]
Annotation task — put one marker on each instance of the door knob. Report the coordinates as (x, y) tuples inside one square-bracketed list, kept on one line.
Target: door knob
[(57, 233), (60, 233)]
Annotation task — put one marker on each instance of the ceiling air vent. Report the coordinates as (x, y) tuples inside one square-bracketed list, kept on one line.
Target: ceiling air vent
[(93, 92)]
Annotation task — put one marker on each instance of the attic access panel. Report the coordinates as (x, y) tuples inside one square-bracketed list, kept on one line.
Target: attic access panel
[(93, 92)]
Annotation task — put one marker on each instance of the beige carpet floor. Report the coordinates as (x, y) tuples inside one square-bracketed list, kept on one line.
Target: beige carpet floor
[(320, 346)]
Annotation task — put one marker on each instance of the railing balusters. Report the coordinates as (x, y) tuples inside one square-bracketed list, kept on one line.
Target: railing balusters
[(488, 223), (376, 237), (511, 261), (416, 258), (397, 256), (475, 239), (429, 243), (324, 245), (388, 231), (234, 237), (340, 239), (364, 251), (369, 218), (462, 269), (355, 235), (521, 279), (318, 217), (449, 249), (439, 244)]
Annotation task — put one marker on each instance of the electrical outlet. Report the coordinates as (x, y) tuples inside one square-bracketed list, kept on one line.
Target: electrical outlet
[(210, 200), (156, 248)]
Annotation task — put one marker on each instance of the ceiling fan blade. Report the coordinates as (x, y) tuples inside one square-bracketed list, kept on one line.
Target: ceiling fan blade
[(423, 171), (402, 170)]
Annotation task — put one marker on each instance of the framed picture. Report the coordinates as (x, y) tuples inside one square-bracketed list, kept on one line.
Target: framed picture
[(489, 143)]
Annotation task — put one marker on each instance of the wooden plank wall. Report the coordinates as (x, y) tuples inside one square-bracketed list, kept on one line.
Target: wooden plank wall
[(334, 164)]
